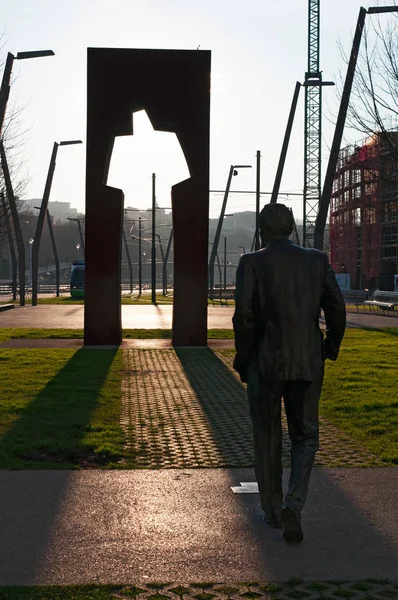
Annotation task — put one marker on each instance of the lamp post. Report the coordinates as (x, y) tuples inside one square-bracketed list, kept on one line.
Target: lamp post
[(5, 83), (285, 145), (13, 256), (54, 247), (78, 250), (225, 263), (232, 172), (128, 260), (153, 245), (144, 269), (257, 234), (4, 95), (341, 117), (243, 248), (79, 227), (140, 219), (139, 257), (166, 258), (31, 240), (16, 224), (43, 209), (163, 255)]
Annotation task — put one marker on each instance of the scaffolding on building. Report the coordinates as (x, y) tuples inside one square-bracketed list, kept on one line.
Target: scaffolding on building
[(364, 212)]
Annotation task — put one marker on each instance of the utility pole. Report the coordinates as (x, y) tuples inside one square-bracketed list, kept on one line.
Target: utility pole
[(258, 157), (153, 256), (166, 258), (55, 253), (232, 171), (225, 263), (220, 275), (139, 257), (128, 260)]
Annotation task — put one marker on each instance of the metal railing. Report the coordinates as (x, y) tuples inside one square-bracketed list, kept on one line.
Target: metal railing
[(44, 288)]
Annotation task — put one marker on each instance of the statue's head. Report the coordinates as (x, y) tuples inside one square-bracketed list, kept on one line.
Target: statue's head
[(275, 221)]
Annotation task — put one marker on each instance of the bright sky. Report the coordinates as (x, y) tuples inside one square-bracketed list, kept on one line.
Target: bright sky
[(259, 51)]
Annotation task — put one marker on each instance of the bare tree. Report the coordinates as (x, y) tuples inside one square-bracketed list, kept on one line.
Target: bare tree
[(373, 110)]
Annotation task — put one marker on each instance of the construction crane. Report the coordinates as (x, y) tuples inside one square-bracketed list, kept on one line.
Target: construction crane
[(313, 126)]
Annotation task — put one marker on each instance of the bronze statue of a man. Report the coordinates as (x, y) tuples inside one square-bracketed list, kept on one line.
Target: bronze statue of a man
[(280, 352)]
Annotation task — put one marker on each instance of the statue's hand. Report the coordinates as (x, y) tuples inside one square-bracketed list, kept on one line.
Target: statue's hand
[(240, 367), (328, 349)]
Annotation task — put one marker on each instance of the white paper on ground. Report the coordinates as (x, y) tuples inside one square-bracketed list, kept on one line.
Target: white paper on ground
[(246, 487)]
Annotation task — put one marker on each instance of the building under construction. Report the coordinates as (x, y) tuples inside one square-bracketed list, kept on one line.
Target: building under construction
[(364, 213)]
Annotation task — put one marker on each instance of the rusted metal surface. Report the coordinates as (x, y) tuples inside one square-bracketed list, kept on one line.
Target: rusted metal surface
[(173, 87)]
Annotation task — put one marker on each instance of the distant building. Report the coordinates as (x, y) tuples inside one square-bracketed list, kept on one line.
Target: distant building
[(364, 213), (59, 211)]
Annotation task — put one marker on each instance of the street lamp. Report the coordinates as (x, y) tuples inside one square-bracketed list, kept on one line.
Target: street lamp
[(78, 250), (31, 240), (79, 227), (13, 256), (341, 117), (43, 209), (5, 83), (4, 95), (55, 253), (243, 248), (232, 172)]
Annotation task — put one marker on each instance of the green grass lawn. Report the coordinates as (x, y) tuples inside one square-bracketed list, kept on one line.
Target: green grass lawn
[(60, 408), (360, 392), (8, 333)]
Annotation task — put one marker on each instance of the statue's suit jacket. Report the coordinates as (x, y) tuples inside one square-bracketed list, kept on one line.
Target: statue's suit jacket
[(279, 293)]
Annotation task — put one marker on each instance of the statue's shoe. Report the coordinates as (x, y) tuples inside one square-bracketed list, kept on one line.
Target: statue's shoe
[(273, 522), (293, 532)]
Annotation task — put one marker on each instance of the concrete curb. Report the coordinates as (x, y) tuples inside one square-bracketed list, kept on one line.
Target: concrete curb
[(4, 307)]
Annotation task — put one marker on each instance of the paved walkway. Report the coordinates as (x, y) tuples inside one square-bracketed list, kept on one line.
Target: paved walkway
[(186, 525), (147, 317)]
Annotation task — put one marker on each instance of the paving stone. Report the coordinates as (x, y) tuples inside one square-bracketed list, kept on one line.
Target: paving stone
[(258, 591), (188, 408)]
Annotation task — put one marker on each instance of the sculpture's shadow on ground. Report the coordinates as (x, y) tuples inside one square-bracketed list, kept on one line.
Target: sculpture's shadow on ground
[(47, 434), (224, 403), (49, 430)]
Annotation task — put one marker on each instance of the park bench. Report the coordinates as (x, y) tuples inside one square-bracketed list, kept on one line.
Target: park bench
[(383, 301), (357, 297), (222, 295)]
